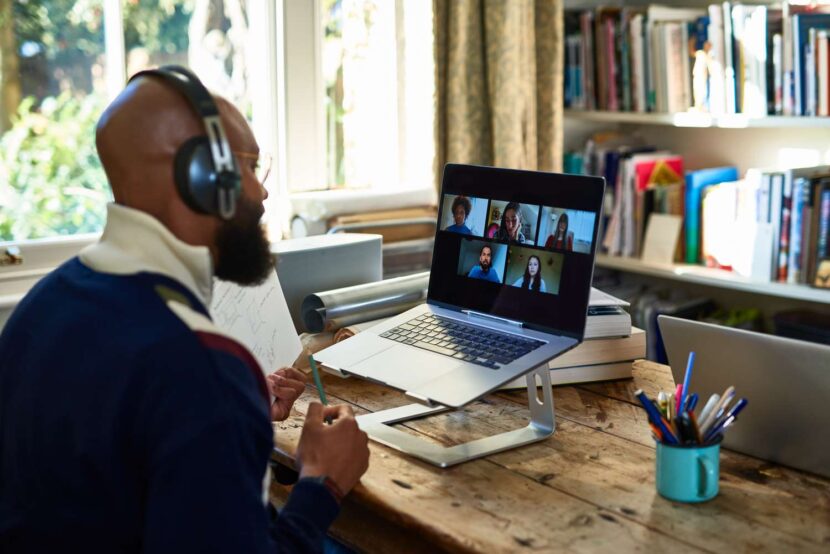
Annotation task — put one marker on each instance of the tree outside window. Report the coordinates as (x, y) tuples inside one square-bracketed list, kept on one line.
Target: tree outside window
[(53, 89)]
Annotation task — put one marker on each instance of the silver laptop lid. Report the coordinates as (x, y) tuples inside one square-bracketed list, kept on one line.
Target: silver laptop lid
[(786, 381), (517, 245)]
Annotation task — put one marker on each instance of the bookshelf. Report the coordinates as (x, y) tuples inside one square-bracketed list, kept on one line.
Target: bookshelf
[(706, 140)]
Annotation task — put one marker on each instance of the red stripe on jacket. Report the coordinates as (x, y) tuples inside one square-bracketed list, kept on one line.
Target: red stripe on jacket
[(229, 346)]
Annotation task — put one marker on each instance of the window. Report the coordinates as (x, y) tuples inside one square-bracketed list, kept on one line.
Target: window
[(339, 90), (62, 61), (363, 76), (51, 182)]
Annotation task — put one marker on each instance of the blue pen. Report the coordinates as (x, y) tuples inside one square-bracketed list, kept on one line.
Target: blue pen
[(736, 409), (733, 412), (655, 417), (718, 429), (691, 402), (686, 379)]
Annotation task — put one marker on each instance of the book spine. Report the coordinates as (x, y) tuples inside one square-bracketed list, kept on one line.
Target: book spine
[(800, 191), (823, 225), (784, 241), (624, 42), (648, 68), (778, 74), (823, 61), (717, 98), (638, 81), (611, 56), (810, 74), (589, 72), (775, 210), (798, 63), (759, 58), (787, 86), (729, 64)]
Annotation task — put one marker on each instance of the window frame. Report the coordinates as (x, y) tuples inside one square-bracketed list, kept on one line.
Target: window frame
[(42, 255)]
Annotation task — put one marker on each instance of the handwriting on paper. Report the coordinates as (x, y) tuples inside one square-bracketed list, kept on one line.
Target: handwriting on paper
[(258, 317)]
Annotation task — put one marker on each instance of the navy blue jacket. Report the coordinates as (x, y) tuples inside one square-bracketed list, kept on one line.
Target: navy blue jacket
[(123, 429)]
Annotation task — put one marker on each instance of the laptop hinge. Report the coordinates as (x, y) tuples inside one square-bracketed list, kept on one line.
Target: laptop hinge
[(493, 318)]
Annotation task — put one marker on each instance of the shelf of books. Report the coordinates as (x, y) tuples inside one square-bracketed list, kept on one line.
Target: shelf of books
[(723, 58), (699, 119), (715, 277), (756, 223)]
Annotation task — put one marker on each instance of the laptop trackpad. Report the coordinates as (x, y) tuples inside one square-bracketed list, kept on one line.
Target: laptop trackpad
[(405, 367)]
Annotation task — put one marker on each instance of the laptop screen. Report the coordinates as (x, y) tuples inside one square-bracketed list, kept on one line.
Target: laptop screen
[(517, 244)]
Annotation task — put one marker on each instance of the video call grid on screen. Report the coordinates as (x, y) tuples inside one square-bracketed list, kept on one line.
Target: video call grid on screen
[(534, 274)]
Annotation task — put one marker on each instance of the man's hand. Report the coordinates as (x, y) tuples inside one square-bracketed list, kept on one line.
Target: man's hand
[(285, 385), (339, 450)]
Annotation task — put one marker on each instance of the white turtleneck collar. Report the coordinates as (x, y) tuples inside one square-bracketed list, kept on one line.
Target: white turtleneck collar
[(134, 241)]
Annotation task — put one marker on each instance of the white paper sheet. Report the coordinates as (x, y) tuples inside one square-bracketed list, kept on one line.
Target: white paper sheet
[(661, 238), (258, 317)]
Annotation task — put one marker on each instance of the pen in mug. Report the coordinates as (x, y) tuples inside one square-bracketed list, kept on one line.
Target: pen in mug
[(710, 404), (718, 429), (669, 407), (718, 410), (678, 392), (663, 403), (691, 402), (695, 427), (686, 379), (733, 412), (655, 431), (319, 384), (655, 417), (684, 435)]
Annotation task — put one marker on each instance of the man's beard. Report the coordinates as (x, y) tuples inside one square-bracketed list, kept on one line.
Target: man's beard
[(485, 266), (242, 248)]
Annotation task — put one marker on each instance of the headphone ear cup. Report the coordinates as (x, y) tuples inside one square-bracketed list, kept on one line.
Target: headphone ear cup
[(195, 175)]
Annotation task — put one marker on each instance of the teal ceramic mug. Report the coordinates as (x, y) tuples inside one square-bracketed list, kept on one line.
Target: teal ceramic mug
[(688, 473)]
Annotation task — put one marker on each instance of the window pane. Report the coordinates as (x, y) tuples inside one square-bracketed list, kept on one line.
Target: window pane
[(377, 69), (208, 36), (53, 89)]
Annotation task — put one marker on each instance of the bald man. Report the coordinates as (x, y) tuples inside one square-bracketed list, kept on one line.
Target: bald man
[(128, 421)]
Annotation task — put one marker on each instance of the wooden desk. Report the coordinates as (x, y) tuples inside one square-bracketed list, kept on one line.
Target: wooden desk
[(590, 487)]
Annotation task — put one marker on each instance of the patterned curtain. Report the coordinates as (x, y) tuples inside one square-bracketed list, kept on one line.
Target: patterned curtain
[(499, 71)]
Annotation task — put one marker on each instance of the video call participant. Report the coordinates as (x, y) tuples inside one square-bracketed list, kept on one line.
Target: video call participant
[(484, 269), (561, 239), (461, 208), (128, 421), (532, 278), (511, 224)]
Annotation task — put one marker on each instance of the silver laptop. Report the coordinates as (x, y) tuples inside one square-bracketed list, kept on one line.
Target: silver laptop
[(786, 381), (508, 290)]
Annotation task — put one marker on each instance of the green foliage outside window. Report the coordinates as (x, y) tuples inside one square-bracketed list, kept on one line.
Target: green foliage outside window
[(51, 180)]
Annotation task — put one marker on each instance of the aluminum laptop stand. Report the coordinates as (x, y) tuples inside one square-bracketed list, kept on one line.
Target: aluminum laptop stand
[(378, 426)]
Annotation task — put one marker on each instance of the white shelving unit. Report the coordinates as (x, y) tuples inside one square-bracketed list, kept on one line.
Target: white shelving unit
[(707, 276), (700, 120)]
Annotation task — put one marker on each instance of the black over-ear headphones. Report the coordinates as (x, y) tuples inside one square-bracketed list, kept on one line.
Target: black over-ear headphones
[(205, 170)]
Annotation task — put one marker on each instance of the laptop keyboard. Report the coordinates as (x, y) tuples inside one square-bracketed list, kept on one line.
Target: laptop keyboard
[(464, 342)]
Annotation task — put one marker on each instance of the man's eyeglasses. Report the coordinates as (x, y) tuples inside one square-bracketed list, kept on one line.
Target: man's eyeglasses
[(261, 162)]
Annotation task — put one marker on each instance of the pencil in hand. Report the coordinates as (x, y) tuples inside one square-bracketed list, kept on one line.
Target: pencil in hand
[(319, 384)]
